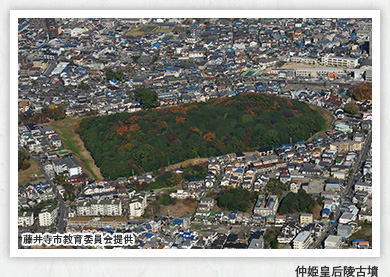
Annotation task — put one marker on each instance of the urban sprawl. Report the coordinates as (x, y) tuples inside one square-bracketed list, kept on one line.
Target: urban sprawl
[(310, 194)]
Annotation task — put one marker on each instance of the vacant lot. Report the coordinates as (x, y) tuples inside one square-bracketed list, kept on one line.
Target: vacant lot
[(66, 131), (139, 31), (302, 65), (32, 173), (179, 209)]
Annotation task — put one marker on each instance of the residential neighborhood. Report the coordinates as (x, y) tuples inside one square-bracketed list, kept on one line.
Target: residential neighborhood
[(315, 193)]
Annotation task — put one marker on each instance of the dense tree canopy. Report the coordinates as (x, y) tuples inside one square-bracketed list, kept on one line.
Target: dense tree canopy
[(362, 91), (236, 199), (351, 108), (124, 143), (296, 202), (146, 97), (114, 75)]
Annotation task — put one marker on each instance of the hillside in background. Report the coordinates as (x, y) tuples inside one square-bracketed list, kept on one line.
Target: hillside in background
[(148, 140)]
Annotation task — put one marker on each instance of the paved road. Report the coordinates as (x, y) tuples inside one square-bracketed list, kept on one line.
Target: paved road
[(348, 192)]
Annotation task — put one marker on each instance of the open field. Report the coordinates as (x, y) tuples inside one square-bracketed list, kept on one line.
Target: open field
[(302, 65), (179, 209), (139, 31), (32, 173), (72, 141)]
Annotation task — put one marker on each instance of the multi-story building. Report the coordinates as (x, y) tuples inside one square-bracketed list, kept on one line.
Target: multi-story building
[(70, 165), (270, 207), (48, 215), (100, 208), (302, 240), (317, 72), (333, 60), (25, 219), (138, 204), (306, 218)]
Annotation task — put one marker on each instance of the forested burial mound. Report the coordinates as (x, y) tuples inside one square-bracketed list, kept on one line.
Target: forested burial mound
[(123, 143)]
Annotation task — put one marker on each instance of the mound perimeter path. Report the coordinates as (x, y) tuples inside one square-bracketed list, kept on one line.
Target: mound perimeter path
[(72, 141)]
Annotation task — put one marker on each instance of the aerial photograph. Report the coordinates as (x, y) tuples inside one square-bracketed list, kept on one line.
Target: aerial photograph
[(194, 133)]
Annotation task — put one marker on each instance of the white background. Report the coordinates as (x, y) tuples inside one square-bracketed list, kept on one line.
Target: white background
[(182, 266)]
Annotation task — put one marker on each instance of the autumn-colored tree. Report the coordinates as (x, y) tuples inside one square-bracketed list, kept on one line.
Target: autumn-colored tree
[(289, 102), (132, 119), (250, 111), (134, 128), (209, 136), (121, 130), (362, 91), (248, 136), (25, 165), (163, 124), (193, 107), (275, 106), (177, 109), (180, 119), (229, 102), (219, 100)]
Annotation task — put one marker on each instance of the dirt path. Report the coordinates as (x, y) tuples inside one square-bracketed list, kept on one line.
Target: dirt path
[(72, 141), (326, 115), (194, 161)]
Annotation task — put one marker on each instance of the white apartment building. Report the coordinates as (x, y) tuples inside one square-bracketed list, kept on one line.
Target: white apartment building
[(48, 215), (100, 208), (302, 240), (138, 204), (25, 219), (333, 60), (359, 186)]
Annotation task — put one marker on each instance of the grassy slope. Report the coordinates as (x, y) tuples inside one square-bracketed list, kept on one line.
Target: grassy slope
[(24, 175), (72, 141)]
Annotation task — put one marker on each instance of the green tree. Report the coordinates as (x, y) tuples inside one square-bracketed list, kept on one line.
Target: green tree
[(147, 98), (166, 200), (351, 108)]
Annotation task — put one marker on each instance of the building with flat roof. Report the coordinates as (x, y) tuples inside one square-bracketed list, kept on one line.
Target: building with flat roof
[(333, 60), (25, 219), (333, 242), (302, 240), (48, 215), (270, 207), (306, 218)]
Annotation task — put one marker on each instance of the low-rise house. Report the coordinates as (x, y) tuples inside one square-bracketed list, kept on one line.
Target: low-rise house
[(333, 242)]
